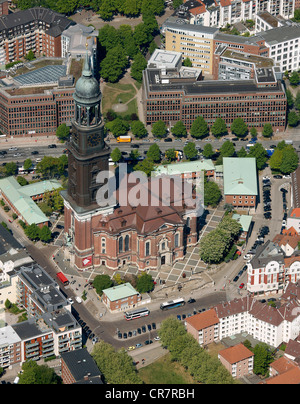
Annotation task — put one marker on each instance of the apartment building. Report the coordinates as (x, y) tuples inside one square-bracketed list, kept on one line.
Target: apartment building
[(283, 44), (37, 29), (10, 347), (246, 315), (238, 360), (219, 13)]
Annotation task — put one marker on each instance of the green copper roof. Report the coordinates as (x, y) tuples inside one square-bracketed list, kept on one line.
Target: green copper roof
[(240, 176), (186, 167), (120, 292), (244, 221), (21, 197)]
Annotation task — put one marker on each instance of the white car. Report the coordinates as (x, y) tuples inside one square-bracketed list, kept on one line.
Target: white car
[(266, 177), (156, 338), (70, 300), (13, 148), (284, 223), (247, 257)]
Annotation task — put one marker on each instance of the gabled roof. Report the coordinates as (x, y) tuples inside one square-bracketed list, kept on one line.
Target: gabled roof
[(203, 320)]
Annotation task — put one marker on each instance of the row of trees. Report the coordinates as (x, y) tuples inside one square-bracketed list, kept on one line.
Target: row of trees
[(284, 159), (217, 244), (184, 349), (293, 104), (200, 129)]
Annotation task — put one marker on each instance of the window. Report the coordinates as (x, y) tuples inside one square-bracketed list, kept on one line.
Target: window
[(176, 241), (126, 242), (121, 244), (147, 248)]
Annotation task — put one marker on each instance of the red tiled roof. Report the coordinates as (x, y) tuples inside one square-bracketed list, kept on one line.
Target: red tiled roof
[(236, 353), (282, 365), (292, 376), (203, 320)]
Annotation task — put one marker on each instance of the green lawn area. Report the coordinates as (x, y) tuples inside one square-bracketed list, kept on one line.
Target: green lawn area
[(163, 371), (114, 93)]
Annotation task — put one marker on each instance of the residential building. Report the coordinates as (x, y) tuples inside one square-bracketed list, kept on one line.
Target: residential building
[(78, 367), (293, 219), (283, 44), (240, 182), (204, 328), (10, 347), (238, 360), (263, 322), (38, 29), (295, 196), (265, 21), (22, 199), (4, 7), (121, 297), (283, 371)]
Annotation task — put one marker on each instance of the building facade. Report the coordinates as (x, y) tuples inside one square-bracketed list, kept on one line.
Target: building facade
[(37, 29)]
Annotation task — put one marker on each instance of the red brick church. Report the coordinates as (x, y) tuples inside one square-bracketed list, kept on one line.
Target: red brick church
[(145, 236)]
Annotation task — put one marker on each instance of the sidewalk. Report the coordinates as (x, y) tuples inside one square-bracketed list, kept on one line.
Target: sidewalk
[(28, 141)]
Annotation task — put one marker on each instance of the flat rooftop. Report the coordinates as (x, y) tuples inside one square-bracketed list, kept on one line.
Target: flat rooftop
[(259, 61), (154, 84)]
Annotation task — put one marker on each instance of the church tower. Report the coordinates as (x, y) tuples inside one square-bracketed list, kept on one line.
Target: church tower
[(88, 154)]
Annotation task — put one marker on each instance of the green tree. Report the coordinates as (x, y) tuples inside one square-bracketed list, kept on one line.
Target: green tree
[(208, 151), (116, 155), (27, 164), (297, 101), (113, 65), (227, 149), (21, 180), (293, 118), (118, 127), (154, 153), (159, 129), (38, 374), (11, 169), (179, 130), (199, 128), (290, 99), (109, 37), (267, 130), (142, 35), (102, 282), (30, 56), (261, 155), (144, 283), (290, 160), (45, 234), (33, 232), (147, 166), (116, 367), (138, 129), (134, 155), (219, 128), (239, 128), (242, 152), (107, 10), (262, 359), (190, 151), (276, 160), (294, 78), (187, 62), (62, 132), (170, 155), (212, 194), (253, 132), (213, 247), (139, 64)]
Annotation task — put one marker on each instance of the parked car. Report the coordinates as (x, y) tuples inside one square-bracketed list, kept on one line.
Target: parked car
[(138, 345), (235, 279), (148, 341), (278, 177), (52, 146), (131, 348), (191, 300), (241, 285)]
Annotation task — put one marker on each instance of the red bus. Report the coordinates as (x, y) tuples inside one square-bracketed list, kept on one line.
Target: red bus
[(62, 278)]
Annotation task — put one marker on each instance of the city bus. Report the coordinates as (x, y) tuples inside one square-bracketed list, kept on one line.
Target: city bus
[(61, 277), (131, 315), (172, 304), (124, 139)]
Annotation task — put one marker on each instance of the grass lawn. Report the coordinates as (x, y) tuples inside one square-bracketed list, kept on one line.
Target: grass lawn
[(114, 93), (163, 371)]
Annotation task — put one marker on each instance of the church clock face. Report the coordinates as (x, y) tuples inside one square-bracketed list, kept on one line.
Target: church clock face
[(93, 139)]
